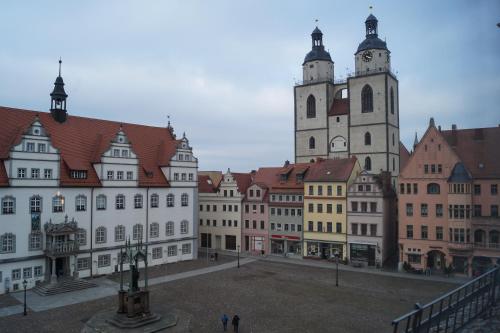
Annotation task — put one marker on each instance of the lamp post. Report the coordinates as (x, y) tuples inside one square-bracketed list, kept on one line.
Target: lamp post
[(238, 256), (25, 284), (337, 270)]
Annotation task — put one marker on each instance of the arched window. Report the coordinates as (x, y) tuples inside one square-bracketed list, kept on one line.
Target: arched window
[(338, 143), (479, 236), (184, 199), (119, 233), (7, 243), (368, 163), (494, 237), (36, 204), (311, 107), (170, 200), (169, 230), (58, 204), (100, 202), (154, 230), (392, 100), (137, 232), (312, 142), (8, 205), (184, 227), (81, 203), (138, 201), (100, 235), (367, 99), (433, 188), (155, 200), (368, 139)]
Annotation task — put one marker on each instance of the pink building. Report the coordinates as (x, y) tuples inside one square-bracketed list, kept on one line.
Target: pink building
[(448, 201), (255, 213)]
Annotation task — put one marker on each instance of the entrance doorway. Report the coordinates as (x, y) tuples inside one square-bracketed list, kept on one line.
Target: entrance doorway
[(435, 260)]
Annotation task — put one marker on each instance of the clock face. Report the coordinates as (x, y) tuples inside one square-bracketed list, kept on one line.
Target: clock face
[(367, 56)]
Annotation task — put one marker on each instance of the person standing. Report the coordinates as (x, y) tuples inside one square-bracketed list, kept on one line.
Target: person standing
[(224, 320), (236, 323)]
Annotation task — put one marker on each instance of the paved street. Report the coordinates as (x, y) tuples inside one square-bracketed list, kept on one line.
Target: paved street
[(268, 296)]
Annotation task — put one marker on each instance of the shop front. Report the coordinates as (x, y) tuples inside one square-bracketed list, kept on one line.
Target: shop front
[(364, 254), (324, 250), (286, 245)]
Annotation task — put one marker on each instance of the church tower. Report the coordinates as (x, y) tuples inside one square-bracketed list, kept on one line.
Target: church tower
[(313, 97), (374, 105), (58, 99)]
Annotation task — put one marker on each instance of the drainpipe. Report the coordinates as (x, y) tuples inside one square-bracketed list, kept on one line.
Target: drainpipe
[(91, 230)]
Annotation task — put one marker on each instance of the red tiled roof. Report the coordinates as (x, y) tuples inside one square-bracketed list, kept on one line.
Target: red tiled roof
[(290, 184), (331, 170), (243, 181), (206, 185), (478, 150), (404, 156), (339, 107), (81, 142)]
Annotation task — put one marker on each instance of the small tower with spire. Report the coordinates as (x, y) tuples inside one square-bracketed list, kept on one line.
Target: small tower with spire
[(58, 99), (318, 65)]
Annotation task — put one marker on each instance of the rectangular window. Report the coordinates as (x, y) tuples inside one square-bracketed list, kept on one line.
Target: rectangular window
[(402, 189), (119, 175), (172, 250), (423, 210), (299, 227), (16, 274), (354, 206), (433, 168), (364, 206), (319, 227), (329, 190), (363, 229), (414, 258), (409, 209), (35, 173), (440, 168), (311, 208), (8, 205), (354, 228), (477, 210), (339, 208), (329, 227), (310, 226), (272, 226), (477, 189), (409, 231), (408, 188), (329, 208), (110, 175), (320, 208), (320, 190), (186, 248), (27, 272), (373, 230), (120, 202), (415, 188), (299, 212), (262, 209), (191, 177), (311, 190), (35, 241), (261, 225), (42, 148), (424, 232), (130, 175), (439, 210), (104, 260), (30, 146), (339, 227), (47, 173), (439, 233), (83, 264), (426, 168), (373, 207), (38, 271), (339, 190), (157, 252), (494, 210), (494, 189)]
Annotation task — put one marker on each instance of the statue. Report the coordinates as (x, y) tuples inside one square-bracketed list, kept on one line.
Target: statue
[(134, 283)]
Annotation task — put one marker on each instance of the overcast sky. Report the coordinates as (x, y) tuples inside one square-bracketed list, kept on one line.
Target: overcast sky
[(224, 70)]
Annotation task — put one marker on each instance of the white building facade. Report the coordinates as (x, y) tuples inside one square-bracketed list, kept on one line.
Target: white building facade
[(74, 189)]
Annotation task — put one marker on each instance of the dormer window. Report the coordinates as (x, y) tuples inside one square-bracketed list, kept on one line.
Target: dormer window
[(30, 147), (130, 175), (124, 153), (42, 148), (78, 174), (116, 152), (181, 157), (110, 175), (187, 157)]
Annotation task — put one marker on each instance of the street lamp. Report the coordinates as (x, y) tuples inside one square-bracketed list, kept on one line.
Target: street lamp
[(238, 256), (25, 284), (337, 271)]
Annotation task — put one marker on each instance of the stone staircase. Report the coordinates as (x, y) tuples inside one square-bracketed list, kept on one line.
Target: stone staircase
[(62, 286)]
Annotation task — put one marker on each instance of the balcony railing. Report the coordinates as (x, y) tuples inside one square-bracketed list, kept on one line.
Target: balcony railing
[(460, 246), (62, 248), (487, 245)]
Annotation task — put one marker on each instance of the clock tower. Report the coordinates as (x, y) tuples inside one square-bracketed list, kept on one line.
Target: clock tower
[(374, 106)]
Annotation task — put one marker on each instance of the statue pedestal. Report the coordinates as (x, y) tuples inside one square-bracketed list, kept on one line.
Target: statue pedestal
[(133, 310)]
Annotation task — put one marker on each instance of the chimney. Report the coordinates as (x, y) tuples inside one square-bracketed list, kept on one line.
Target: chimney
[(287, 163), (454, 127)]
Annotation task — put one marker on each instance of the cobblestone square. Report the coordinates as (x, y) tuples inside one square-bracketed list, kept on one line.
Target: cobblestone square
[(268, 296)]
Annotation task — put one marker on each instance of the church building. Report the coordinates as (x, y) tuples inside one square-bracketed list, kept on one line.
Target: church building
[(74, 189), (358, 116)]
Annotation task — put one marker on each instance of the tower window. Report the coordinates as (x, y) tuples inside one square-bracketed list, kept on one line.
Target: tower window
[(367, 99), (368, 163), (311, 107), (312, 143), (368, 139), (392, 100)]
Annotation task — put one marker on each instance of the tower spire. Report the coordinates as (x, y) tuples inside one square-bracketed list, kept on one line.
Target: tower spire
[(58, 98), (60, 63)]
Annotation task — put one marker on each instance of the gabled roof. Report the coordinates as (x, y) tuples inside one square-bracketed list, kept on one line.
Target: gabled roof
[(404, 156), (206, 185), (339, 107), (331, 170), (215, 176), (478, 149), (81, 142), (243, 181)]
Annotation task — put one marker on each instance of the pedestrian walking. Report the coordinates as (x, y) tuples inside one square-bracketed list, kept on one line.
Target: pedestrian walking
[(216, 256), (224, 320), (236, 323)]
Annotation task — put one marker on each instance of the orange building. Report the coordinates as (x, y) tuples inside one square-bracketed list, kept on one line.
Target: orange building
[(448, 201)]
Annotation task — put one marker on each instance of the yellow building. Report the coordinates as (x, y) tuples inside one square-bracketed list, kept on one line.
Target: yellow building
[(325, 207)]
